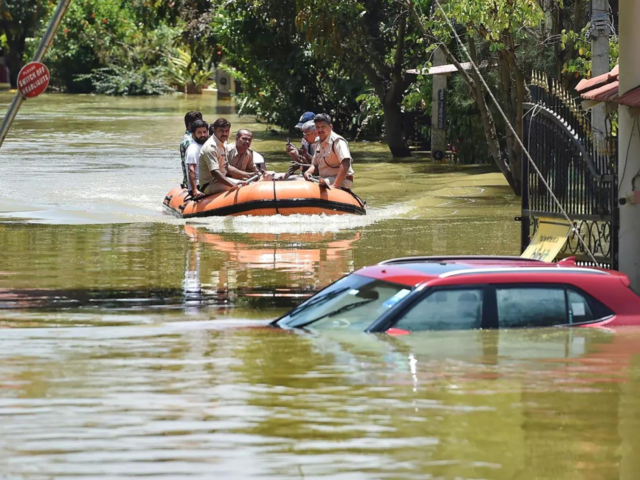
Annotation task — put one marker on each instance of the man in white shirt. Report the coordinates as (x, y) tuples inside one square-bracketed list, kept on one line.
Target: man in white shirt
[(187, 140), (200, 134)]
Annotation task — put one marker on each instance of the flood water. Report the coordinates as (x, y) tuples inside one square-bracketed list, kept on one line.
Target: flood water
[(134, 344)]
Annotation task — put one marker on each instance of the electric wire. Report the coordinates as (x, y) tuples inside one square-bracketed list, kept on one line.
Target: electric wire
[(513, 131), (626, 157)]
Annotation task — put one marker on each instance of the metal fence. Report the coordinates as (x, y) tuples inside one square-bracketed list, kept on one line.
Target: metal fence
[(581, 172), (417, 130)]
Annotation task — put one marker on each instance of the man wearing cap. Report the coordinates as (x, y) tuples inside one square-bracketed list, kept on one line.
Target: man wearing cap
[(332, 158), (306, 117), (303, 156)]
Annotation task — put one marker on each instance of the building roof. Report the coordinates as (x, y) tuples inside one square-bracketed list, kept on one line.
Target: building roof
[(606, 88), (587, 84)]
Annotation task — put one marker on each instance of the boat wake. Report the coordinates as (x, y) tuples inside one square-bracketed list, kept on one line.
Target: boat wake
[(279, 224)]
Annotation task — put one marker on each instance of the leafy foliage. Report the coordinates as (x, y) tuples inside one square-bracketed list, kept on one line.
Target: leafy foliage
[(579, 66), (116, 80), (99, 34), (19, 21), (280, 76), (197, 35), (375, 37), (347, 58), (183, 72)]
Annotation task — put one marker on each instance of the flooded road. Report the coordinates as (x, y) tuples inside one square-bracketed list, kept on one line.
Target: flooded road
[(135, 345)]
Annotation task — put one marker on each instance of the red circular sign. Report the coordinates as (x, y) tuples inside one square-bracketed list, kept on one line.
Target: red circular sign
[(33, 79)]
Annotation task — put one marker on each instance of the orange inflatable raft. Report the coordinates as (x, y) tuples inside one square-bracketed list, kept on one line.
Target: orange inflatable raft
[(266, 198)]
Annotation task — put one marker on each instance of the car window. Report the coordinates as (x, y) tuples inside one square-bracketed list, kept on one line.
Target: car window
[(445, 310), (353, 302), (579, 308), (531, 307)]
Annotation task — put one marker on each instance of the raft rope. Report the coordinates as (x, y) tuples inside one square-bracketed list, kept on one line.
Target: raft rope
[(513, 131)]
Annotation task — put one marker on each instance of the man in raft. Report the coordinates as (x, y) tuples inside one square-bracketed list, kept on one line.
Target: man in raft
[(332, 158), (301, 157), (213, 166), (187, 139), (200, 134), (242, 157)]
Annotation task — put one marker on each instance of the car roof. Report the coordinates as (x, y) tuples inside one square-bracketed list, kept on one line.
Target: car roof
[(415, 270)]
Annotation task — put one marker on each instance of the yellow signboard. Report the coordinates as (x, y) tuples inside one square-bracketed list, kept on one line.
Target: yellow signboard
[(548, 240)]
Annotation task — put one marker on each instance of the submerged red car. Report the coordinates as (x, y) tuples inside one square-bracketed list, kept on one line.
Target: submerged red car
[(412, 294)]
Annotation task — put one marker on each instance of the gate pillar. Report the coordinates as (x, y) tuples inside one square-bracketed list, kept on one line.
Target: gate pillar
[(629, 143)]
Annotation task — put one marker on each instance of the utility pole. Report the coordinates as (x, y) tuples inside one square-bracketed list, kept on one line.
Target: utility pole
[(599, 34), (629, 144), (46, 41)]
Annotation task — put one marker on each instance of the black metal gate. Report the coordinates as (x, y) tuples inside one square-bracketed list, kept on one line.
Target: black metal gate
[(581, 172)]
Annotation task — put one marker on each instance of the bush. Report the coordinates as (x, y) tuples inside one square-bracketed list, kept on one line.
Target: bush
[(121, 81), (98, 38)]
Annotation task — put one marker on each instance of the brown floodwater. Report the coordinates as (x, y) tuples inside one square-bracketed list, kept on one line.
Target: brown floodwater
[(134, 344)]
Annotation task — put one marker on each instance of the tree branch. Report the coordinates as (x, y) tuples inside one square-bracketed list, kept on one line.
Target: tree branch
[(397, 62), (376, 81)]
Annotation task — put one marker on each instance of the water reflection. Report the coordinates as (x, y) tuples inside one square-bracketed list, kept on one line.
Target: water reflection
[(154, 266), (260, 267), (305, 261)]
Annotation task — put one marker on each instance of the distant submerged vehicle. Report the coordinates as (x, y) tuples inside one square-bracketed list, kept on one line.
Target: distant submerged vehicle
[(266, 198)]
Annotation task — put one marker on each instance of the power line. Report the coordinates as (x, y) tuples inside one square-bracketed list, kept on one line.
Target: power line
[(513, 131)]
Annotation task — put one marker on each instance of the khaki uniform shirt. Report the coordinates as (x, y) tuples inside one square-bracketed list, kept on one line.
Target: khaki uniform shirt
[(213, 156), (329, 155), (242, 162)]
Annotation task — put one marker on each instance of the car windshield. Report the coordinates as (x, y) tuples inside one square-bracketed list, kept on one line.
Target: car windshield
[(353, 302)]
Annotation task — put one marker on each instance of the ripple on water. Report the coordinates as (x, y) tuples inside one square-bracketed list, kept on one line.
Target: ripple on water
[(198, 399)]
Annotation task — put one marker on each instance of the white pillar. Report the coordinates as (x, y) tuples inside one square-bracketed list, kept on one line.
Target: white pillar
[(599, 58), (438, 108), (629, 142)]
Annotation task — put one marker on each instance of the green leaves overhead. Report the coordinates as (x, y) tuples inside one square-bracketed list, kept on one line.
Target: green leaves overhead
[(280, 74), (489, 19)]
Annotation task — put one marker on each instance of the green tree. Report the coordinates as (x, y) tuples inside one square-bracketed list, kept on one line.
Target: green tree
[(514, 36), (19, 20), (279, 74), (183, 72), (375, 37), (504, 32), (100, 34), (197, 35)]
